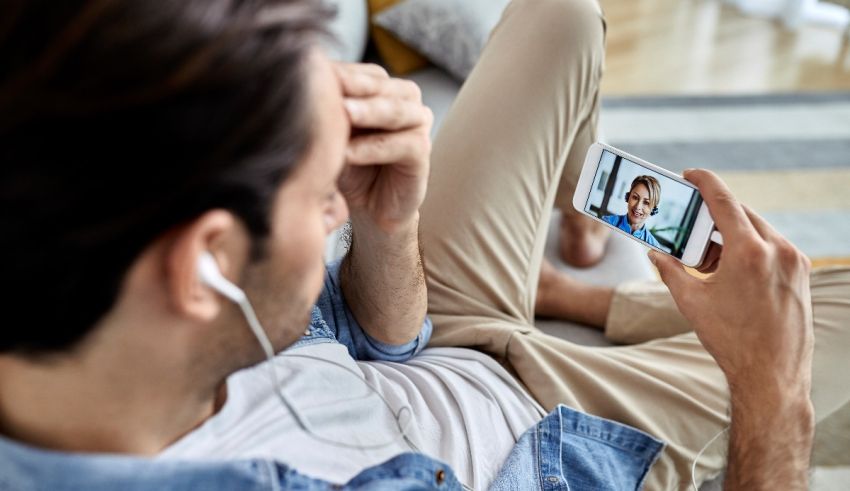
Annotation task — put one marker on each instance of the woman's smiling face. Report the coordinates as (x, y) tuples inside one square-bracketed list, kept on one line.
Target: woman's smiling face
[(639, 206)]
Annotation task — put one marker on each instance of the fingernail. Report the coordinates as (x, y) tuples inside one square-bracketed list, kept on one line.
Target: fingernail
[(689, 169), (354, 108), (651, 255)]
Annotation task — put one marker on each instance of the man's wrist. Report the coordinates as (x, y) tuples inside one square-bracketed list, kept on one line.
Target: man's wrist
[(373, 237), (383, 280), (771, 440), (757, 409), (757, 387), (769, 399)]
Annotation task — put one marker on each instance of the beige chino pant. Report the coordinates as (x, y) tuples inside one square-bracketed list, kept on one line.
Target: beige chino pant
[(527, 112)]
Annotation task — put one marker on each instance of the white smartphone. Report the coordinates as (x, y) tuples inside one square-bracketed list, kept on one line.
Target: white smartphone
[(651, 205)]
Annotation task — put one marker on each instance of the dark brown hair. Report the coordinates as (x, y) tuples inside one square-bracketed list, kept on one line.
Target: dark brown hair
[(121, 119)]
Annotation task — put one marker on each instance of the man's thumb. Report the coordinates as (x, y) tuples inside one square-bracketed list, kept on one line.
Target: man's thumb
[(672, 272)]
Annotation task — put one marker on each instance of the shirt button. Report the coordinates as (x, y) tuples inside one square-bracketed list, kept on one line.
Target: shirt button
[(440, 475)]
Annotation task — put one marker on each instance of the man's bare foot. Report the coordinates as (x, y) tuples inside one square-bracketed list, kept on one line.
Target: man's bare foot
[(562, 297), (581, 240)]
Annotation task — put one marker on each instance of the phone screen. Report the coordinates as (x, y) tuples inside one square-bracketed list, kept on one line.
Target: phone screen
[(653, 208)]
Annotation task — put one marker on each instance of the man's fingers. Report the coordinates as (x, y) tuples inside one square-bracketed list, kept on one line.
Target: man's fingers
[(387, 148), (360, 81), (402, 89), (725, 210), (360, 85), (711, 260), (761, 225), (673, 275), (386, 114), (371, 69), (367, 80)]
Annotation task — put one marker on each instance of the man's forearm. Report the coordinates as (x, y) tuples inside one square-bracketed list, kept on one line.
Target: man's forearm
[(770, 443), (383, 281)]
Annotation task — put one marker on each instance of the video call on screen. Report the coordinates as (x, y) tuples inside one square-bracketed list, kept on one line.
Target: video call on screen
[(625, 195)]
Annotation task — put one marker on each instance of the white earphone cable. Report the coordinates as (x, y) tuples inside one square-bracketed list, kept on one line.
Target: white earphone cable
[(266, 345), (702, 450), (210, 274), (302, 422)]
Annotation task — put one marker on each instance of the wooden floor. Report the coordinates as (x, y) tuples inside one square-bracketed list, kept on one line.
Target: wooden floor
[(706, 47)]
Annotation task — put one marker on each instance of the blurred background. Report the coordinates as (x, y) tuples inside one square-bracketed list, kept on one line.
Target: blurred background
[(665, 47), (754, 89), (757, 90)]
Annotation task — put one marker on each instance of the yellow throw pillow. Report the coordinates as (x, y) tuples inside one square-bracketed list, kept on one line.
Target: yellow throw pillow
[(399, 58)]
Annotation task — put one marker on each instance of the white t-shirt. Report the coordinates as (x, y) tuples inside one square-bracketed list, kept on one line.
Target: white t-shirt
[(465, 410)]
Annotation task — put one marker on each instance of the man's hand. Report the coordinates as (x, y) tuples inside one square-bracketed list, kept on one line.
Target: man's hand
[(754, 316), (754, 313), (384, 182), (388, 155)]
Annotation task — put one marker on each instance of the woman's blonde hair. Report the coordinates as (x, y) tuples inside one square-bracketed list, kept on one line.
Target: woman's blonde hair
[(652, 185)]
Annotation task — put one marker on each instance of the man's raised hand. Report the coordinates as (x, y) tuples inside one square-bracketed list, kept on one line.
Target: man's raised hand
[(388, 155)]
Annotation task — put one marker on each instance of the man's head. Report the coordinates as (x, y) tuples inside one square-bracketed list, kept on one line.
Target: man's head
[(643, 197), (135, 135)]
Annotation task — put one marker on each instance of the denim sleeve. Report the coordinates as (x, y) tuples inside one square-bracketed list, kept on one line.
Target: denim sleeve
[(360, 344)]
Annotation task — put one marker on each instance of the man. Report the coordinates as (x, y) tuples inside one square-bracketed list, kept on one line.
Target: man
[(184, 128)]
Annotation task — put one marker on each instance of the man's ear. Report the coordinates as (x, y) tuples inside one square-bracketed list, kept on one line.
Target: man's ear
[(221, 234)]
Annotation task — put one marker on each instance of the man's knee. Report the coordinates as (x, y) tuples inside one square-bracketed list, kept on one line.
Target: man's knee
[(576, 27)]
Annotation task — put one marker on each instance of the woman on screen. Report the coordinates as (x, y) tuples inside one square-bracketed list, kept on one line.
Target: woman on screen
[(643, 199)]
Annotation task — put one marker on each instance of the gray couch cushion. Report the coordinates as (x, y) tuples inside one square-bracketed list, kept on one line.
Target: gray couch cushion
[(350, 29)]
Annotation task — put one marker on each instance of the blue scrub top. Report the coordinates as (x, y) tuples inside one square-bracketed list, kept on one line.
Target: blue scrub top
[(622, 223)]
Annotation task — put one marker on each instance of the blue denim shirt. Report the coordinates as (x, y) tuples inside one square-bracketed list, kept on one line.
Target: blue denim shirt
[(622, 223), (566, 450)]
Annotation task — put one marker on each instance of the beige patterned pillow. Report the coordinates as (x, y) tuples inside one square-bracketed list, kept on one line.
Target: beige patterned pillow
[(451, 33)]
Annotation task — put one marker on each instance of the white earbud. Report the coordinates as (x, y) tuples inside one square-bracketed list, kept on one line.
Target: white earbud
[(210, 274)]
